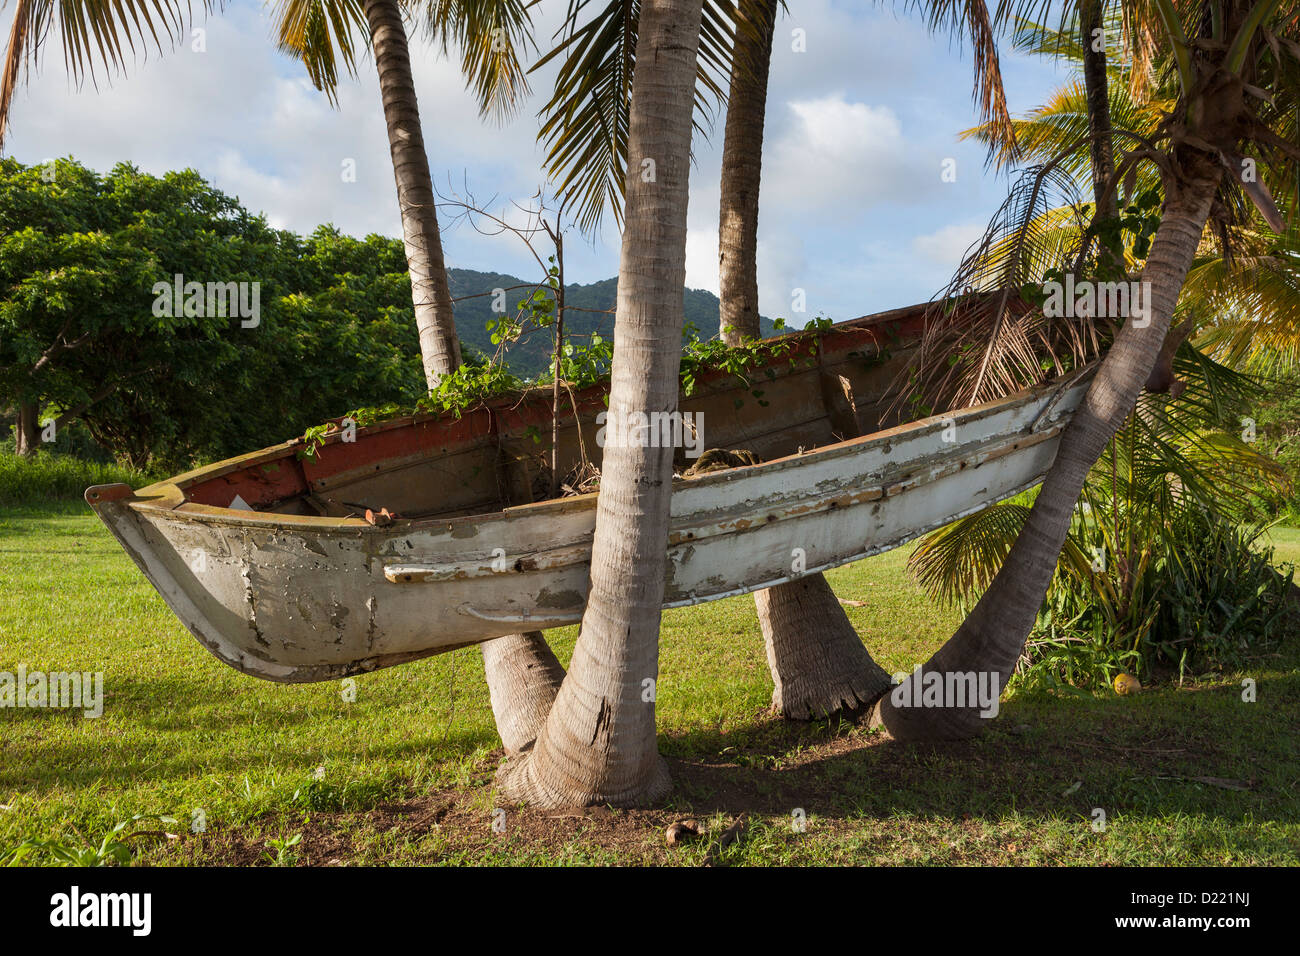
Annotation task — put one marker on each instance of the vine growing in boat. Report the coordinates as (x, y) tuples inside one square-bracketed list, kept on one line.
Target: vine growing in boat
[(577, 362)]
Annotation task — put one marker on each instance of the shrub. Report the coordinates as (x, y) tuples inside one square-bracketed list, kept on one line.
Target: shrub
[(1205, 596)]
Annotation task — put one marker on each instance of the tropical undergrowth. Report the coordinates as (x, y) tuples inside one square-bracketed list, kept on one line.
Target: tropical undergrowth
[(1276, 424), (1165, 572)]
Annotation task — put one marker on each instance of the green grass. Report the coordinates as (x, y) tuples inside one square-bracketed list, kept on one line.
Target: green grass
[(47, 477), (408, 766)]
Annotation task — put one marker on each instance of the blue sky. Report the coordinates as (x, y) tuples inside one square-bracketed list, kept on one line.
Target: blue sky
[(854, 209)]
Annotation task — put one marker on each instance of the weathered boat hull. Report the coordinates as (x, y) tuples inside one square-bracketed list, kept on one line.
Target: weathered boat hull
[(266, 560), (320, 598)]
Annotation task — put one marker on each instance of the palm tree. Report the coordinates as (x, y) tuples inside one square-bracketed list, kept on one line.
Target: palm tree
[(819, 665), (1245, 293), (522, 672), (1092, 36), (599, 744), (818, 662), (1170, 453), (1172, 458), (742, 166), (1223, 63), (430, 292), (488, 32)]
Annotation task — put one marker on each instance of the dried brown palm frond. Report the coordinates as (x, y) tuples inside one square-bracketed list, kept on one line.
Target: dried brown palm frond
[(1143, 45), (984, 339), (582, 479)]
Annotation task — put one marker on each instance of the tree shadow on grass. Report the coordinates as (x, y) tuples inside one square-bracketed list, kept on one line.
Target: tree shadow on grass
[(1201, 751)]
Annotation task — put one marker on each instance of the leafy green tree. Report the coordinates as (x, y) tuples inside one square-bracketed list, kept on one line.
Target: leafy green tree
[(82, 337)]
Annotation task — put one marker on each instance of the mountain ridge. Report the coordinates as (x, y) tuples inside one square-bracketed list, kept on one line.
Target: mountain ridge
[(588, 309)]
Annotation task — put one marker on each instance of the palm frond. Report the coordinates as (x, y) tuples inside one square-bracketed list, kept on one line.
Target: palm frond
[(1048, 129), (585, 122), (972, 20), (490, 35), (93, 32), (1252, 307), (1171, 453), (955, 564), (320, 34), (25, 26), (985, 340)]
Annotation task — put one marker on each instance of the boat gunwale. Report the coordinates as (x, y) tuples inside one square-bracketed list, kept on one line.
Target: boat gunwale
[(281, 450), (167, 497)]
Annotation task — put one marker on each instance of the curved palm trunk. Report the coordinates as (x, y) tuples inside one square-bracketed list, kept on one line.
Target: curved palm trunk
[(599, 745), (992, 638), (522, 673), (429, 291), (819, 666)]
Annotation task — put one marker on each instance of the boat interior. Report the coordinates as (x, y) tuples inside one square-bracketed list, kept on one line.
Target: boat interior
[(828, 386)]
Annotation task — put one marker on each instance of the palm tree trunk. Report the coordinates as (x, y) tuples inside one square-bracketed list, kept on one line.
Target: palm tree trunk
[(742, 163), (992, 638), (818, 663), (819, 666), (523, 678), (599, 744), (520, 708), (430, 293), (1097, 94)]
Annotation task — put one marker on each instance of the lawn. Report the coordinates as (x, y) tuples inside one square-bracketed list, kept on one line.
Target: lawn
[(297, 774)]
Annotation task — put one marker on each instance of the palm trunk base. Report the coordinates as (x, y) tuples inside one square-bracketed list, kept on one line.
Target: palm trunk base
[(533, 779), (982, 653), (819, 666), (523, 677), (925, 724)]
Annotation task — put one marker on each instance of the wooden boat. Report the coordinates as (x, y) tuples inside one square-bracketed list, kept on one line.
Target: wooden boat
[(269, 561)]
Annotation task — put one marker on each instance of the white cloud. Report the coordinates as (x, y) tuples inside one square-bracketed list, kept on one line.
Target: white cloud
[(702, 259), (782, 268), (841, 154), (946, 246)]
